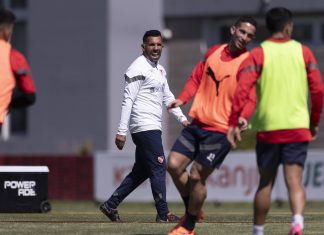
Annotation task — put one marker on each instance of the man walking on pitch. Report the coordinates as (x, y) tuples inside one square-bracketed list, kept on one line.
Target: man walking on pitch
[(283, 70), (204, 143), (146, 90)]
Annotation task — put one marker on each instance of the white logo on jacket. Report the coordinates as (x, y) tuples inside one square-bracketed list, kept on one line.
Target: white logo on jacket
[(211, 157), (160, 159)]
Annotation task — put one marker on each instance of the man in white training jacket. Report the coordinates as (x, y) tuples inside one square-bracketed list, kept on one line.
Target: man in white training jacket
[(146, 90)]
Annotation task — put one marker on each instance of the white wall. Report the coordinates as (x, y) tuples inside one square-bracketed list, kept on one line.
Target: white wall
[(236, 180), (66, 49)]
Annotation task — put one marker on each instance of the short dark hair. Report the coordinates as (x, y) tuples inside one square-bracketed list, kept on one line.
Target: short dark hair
[(6, 16), (151, 33), (246, 19), (277, 18)]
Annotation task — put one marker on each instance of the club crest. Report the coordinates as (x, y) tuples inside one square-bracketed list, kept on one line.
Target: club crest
[(160, 159)]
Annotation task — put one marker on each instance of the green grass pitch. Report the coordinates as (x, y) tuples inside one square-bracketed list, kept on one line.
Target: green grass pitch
[(83, 217)]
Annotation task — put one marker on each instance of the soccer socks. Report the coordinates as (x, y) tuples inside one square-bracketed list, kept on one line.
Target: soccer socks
[(186, 202), (258, 230), (190, 222), (297, 219)]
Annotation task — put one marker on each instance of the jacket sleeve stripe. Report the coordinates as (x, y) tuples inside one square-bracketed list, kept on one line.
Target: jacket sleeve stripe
[(134, 79)]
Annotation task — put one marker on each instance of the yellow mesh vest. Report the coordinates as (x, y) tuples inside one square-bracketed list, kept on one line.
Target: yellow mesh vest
[(282, 89)]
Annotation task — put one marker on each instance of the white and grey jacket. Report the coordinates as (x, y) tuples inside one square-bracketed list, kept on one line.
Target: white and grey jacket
[(146, 89)]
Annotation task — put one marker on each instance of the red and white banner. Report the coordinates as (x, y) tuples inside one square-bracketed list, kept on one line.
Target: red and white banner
[(236, 180)]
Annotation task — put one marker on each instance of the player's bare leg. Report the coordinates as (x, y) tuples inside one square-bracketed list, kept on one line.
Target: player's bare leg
[(197, 196), (296, 193), (198, 190), (177, 164), (262, 198), (293, 178)]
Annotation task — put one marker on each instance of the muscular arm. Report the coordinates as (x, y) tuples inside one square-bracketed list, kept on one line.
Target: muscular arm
[(194, 79), (249, 107), (25, 91), (315, 85), (192, 83), (168, 97), (245, 94)]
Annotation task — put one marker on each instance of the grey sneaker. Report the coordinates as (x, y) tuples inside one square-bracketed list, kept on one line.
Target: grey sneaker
[(111, 213), (168, 218)]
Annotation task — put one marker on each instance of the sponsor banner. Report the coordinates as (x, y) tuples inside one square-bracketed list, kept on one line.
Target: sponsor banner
[(236, 180), (24, 189)]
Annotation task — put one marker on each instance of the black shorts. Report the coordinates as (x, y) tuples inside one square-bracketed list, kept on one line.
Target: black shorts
[(271, 155), (208, 148)]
